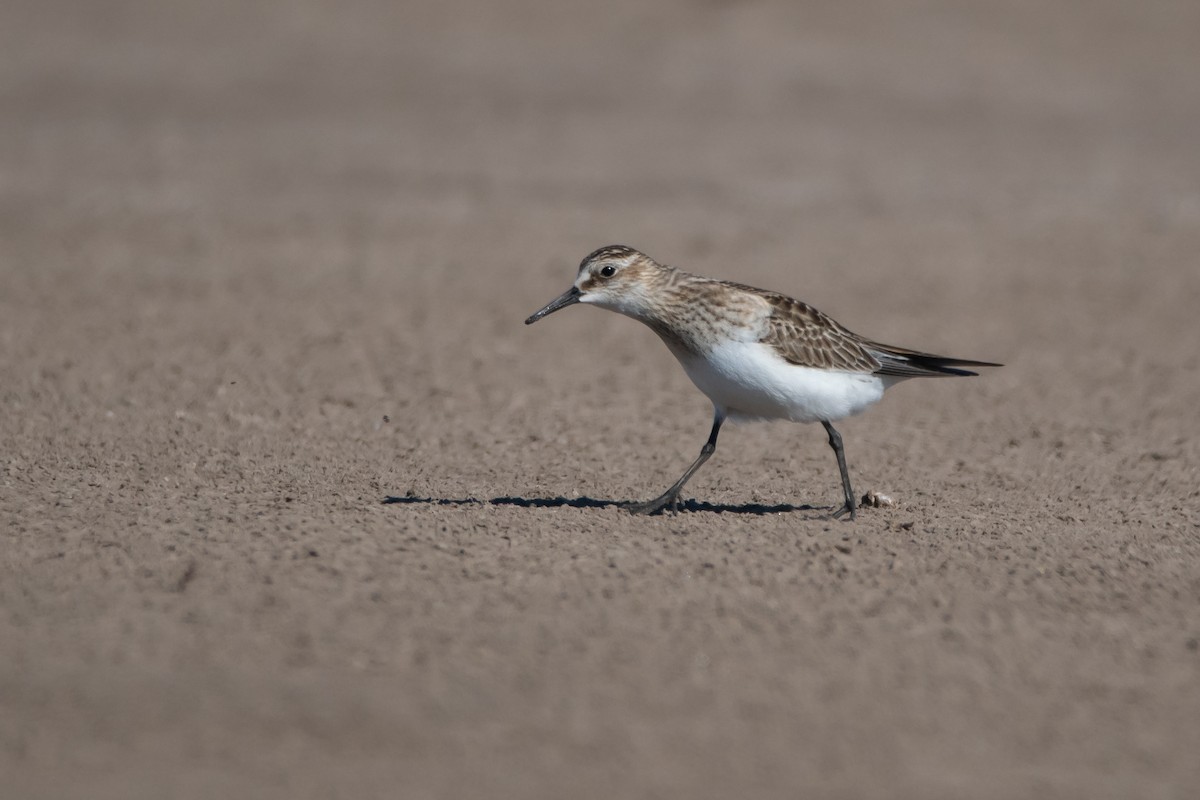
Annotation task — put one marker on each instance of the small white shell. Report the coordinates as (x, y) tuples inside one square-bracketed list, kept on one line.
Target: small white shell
[(877, 500)]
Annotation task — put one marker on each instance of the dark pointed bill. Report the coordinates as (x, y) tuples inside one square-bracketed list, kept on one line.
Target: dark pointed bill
[(568, 298)]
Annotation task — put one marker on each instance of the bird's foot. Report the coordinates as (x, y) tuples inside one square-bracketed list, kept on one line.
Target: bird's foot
[(655, 506), (846, 509)]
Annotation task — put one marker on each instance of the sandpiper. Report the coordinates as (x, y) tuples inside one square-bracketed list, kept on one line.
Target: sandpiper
[(755, 354)]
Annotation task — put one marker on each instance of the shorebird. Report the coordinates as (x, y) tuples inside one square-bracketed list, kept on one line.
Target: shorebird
[(756, 354)]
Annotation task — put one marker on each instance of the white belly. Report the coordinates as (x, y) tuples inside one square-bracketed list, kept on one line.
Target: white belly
[(750, 380)]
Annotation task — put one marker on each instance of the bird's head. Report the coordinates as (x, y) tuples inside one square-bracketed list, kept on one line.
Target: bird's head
[(616, 277)]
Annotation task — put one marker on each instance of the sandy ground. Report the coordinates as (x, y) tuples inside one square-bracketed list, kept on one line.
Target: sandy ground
[(263, 267)]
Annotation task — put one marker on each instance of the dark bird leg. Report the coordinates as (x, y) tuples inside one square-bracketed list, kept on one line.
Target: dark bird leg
[(835, 441), (671, 496)]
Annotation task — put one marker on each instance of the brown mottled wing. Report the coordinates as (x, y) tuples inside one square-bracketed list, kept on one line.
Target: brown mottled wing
[(806, 337)]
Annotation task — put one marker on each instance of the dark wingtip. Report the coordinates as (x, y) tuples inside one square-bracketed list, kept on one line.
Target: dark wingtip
[(950, 366), (913, 363), (967, 372)]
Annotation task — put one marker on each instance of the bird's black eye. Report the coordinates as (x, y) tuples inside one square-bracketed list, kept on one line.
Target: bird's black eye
[(607, 271)]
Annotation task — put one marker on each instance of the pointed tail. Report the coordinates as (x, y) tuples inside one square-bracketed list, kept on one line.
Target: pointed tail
[(902, 363)]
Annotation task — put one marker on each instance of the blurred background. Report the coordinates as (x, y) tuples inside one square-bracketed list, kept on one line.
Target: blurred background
[(263, 264), (458, 158)]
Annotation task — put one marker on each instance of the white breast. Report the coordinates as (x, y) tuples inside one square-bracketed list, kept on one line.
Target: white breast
[(750, 380)]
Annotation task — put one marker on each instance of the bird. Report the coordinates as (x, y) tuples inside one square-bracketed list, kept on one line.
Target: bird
[(756, 354)]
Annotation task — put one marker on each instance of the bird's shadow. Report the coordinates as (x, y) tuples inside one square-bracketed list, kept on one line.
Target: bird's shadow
[(755, 509)]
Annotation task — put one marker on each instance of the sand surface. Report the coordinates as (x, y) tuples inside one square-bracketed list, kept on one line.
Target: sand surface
[(263, 268)]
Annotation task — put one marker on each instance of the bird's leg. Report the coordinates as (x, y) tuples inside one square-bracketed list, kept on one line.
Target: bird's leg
[(835, 441), (671, 496)]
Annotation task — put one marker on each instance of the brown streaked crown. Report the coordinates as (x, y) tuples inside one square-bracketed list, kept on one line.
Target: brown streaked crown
[(615, 252)]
